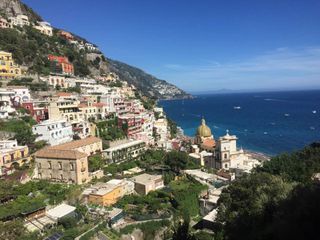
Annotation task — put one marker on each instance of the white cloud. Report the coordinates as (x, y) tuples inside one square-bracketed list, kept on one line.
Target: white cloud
[(283, 67)]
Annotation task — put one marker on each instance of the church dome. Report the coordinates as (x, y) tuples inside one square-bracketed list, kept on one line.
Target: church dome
[(203, 130)]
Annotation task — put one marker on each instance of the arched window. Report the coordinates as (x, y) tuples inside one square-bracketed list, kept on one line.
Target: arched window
[(225, 156)]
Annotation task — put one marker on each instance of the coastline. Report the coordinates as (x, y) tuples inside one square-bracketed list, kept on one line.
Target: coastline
[(260, 156)]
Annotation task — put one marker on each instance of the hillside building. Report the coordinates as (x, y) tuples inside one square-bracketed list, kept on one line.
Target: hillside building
[(145, 183), (6, 103), (37, 109), (89, 145), (8, 68), (60, 64), (45, 28), (54, 132), (20, 20), (11, 154), (161, 133), (61, 165), (91, 47), (4, 23), (21, 94), (67, 162), (124, 150), (107, 194), (66, 35)]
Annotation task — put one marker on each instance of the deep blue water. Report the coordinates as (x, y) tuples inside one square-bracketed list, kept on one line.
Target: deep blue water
[(268, 122)]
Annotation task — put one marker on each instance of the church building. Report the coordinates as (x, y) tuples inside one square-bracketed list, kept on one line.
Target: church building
[(221, 154)]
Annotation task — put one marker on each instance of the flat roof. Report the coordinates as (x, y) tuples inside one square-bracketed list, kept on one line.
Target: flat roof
[(123, 145), (200, 174), (60, 211), (211, 217), (104, 188), (145, 178)]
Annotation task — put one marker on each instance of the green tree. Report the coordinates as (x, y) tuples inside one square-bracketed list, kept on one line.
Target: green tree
[(95, 163), (248, 205), (298, 166), (182, 231), (176, 160)]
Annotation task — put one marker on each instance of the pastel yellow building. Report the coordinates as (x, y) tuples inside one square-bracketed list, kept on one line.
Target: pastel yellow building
[(8, 69), (106, 197), (11, 155), (107, 194)]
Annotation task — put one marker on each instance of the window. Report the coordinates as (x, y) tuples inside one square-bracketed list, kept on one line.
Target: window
[(50, 165), (71, 166), (60, 165), (61, 176), (226, 166), (39, 165), (225, 156)]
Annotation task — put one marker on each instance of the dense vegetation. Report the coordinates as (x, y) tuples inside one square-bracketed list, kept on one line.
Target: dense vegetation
[(109, 130), (279, 201), (22, 198), (149, 229), (22, 129), (31, 48), (28, 82)]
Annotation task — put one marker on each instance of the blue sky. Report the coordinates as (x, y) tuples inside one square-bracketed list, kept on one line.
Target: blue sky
[(202, 45)]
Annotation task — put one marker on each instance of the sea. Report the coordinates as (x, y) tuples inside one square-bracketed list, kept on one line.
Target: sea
[(265, 122)]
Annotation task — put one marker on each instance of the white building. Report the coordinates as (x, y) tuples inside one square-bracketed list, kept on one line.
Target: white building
[(61, 211), (124, 150), (6, 107), (87, 85), (161, 132), (20, 20), (232, 158), (145, 183), (44, 28), (53, 131), (91, 47), (60, 80), (21, 94), (159, 111)]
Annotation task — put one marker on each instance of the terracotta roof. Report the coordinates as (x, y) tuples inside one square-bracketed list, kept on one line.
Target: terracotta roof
[(99, 104), (64, 94), (59, 154), (77, 143), (82, 105), (209, 143)]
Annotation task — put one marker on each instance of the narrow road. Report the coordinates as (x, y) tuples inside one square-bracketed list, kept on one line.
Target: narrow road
[(144, 221), (78, 238)]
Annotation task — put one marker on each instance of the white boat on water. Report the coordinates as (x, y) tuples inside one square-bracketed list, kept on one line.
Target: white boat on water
[(237, 107), (314, 111), (287, 114)]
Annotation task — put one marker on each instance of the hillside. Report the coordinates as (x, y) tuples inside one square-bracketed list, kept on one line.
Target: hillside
[(151, 85), (10, 8), (30, 48)]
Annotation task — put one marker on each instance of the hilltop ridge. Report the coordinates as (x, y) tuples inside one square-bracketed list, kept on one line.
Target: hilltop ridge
[(31, 48)]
